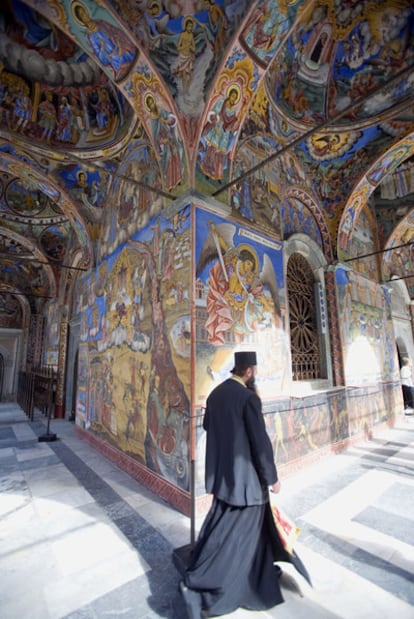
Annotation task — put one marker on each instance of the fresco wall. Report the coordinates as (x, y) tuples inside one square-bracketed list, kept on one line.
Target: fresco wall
[(52, 331), (134, 357), (146, 368), (363, 243), (240, 301), (299, 427), (11, 314), (79, 107), (366, 330)]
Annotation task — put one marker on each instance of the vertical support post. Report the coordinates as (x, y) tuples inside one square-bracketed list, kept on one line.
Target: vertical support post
[(193, 435), (60, 380), (192, 502)]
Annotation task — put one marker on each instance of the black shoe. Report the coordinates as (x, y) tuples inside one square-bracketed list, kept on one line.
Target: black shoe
[(192, 601)]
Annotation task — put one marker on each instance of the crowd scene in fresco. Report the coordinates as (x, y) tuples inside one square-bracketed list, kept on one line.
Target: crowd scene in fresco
[(58, 119)]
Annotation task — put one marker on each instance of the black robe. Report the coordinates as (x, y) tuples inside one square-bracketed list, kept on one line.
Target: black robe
[(239, 455), (233, 562)]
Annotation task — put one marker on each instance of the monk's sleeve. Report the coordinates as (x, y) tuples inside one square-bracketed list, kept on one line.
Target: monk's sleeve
[(260, 444)]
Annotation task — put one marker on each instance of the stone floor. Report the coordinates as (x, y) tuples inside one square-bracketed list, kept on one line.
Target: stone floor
[(81, 539)]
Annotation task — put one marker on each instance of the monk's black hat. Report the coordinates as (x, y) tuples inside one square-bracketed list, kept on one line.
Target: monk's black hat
[(244, 359)]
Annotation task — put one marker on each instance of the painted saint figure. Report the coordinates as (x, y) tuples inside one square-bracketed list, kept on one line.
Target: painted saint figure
[(47, 116), (186, 48), (216, 26), (164, 132), (110, 45), (63, 132), (22, 110), (218, 134)]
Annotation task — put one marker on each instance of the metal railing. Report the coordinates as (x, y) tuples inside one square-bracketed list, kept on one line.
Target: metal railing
[(36, 389)]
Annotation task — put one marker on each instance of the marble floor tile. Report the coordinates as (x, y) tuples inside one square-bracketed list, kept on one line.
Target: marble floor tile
[(87, 584), (57, 505), (81, 539)]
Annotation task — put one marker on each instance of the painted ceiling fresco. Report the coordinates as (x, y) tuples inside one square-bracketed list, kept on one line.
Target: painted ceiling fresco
[(296, 114)]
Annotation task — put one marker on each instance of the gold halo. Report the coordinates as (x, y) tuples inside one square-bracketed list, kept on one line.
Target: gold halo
[(235, 87), (148, 96), (155, 4), (74, 5), (187, 19), (249, 248)]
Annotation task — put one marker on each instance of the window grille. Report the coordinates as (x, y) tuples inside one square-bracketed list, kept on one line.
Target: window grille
[(304, 337)]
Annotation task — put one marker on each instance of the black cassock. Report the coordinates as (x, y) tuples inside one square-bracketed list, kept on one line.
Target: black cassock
[(233, 562)]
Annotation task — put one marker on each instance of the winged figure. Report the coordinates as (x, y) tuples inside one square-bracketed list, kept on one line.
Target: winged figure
[(240, 298), (219, 239)]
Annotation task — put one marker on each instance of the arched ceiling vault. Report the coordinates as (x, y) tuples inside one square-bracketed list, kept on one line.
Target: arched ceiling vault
[(271, 107)]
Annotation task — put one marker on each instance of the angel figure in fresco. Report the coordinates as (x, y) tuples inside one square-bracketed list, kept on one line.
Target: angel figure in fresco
[(240, 299), (111, 46), (279, 438)]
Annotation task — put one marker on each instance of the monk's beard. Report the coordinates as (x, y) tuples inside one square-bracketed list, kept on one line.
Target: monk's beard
[(251, 384)]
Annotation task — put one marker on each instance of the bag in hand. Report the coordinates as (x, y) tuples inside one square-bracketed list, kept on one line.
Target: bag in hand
[(286, 528)]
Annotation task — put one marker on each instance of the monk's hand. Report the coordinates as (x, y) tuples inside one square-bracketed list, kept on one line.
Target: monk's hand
[(275, 488)]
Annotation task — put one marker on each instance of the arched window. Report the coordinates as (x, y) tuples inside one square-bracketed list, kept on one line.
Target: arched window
[(304, 336)]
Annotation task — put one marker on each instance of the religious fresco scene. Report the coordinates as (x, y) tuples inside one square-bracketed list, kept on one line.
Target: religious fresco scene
[(240, 301), (182, 180), (135, 337), (367, 339)]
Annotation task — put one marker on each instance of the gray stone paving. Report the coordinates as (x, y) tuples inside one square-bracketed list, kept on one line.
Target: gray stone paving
[(81, 539)]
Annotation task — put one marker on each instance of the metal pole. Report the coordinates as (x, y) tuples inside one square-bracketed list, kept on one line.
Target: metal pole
[(192, 501), (380, 251)]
